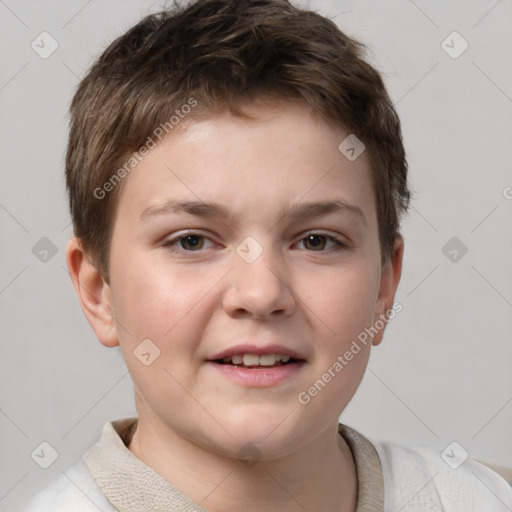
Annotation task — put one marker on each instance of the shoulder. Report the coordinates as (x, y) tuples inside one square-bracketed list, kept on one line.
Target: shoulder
[(425, 478), (75, 489)]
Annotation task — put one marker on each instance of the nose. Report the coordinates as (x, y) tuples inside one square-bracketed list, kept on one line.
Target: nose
[(258, 289)]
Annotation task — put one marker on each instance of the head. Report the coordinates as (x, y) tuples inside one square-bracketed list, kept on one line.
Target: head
[(243, 104)]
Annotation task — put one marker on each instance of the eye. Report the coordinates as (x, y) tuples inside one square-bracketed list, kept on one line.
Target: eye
[(194, 242), (190, 242), (317, 242)]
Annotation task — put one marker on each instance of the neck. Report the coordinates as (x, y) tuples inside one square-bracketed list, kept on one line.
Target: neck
[(321, 476)]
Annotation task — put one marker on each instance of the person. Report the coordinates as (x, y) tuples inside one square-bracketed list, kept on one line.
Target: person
[(237, 178)]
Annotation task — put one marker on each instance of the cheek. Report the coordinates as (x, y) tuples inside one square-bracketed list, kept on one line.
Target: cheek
[(344, 304), (161, 304), (170, 305), (343, 300), (153, 297)]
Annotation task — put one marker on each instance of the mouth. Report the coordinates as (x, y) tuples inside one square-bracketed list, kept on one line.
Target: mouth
[(258, 367), (255, 361)]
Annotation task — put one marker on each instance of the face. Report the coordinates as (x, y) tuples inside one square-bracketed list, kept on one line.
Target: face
[(234, 241)]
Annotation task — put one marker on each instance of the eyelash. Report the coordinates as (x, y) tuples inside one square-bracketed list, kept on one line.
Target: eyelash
[(173, 242)]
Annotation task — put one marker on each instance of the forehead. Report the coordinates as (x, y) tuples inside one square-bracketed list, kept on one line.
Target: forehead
[(281, 155)]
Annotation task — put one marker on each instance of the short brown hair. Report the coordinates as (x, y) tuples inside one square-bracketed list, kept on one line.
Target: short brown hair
[(224, 54)]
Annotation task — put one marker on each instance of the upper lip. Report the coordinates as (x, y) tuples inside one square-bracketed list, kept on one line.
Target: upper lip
[(256, 350)]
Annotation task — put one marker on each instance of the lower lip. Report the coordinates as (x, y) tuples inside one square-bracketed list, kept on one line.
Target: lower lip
[(258, 377)]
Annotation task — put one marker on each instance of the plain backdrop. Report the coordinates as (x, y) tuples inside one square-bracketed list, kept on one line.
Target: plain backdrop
[(443, 372)]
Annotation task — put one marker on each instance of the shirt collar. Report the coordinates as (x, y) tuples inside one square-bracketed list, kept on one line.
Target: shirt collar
[(132, 486)]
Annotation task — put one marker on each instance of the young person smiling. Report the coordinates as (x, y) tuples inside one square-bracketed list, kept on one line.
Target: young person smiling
[(235, 263)]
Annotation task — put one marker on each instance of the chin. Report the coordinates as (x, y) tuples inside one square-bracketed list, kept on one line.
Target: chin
[(269, 436)]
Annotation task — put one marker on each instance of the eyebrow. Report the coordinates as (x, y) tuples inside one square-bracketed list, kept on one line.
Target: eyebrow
[(298, 211)]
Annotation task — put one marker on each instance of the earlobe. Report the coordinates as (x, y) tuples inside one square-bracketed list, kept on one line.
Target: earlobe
[(93, 293), (390, 277)]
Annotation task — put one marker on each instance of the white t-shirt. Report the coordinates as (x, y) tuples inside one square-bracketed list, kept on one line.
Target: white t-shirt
[(391, 478)]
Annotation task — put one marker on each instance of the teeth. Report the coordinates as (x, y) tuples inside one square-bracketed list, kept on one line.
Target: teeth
[(268, 360), (255, 360), (251, 360)]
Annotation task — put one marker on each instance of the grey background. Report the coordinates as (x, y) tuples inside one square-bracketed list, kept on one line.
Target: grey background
[(443, 372)]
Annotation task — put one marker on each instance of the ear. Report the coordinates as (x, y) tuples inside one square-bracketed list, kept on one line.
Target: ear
[(390, 277), (93, 293)]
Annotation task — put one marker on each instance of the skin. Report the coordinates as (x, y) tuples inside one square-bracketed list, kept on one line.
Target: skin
[(193, 301)]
